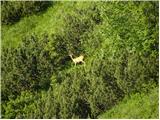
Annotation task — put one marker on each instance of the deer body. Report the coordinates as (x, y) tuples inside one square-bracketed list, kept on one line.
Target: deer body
[(77, 59)]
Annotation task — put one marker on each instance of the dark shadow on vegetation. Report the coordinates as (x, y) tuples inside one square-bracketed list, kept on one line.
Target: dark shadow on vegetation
[(114, 86), (13, 11), (82, 109)]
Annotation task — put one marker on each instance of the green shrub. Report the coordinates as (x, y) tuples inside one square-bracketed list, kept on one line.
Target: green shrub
[(82, 94), (120, 44), (24, 106), (12, 11), (76, 23), (119, 64), (28, 67)]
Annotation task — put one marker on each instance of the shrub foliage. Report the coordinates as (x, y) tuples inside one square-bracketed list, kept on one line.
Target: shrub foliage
[(12, 11), (120, 44)]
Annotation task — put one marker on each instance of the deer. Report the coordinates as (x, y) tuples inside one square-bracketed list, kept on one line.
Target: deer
[(77, 59)]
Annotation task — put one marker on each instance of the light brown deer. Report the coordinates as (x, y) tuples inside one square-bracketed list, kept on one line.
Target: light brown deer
[(77, 59)]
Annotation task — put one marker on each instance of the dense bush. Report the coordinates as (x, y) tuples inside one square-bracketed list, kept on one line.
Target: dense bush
[(120, 60), (12, 11), (28, 67), (120, 44), (84, 93), (71, 37)]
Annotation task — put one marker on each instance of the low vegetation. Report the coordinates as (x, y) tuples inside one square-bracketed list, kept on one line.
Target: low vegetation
[(137, 106), (119, 42), (13, 11)]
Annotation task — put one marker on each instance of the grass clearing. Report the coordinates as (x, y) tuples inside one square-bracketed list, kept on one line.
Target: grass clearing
[(138, 106)]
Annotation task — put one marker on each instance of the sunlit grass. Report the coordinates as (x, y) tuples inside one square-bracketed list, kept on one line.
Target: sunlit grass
[(138, 106), (35, 24)]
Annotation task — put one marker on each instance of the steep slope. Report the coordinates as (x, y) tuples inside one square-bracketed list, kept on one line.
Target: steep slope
[(40, 23), (137, 106), (119, 41)]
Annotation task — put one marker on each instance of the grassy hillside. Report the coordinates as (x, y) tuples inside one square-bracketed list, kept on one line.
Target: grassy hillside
[(137, 106), (36, 23), (119, 42)]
